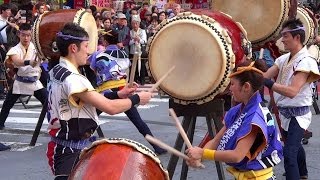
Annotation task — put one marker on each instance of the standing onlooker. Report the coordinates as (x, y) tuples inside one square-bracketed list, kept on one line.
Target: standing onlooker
[(162, 16), (295, 72), (145, 8), (123, 32), (5, 10), (176, 9), (138, 38), (40, 9)]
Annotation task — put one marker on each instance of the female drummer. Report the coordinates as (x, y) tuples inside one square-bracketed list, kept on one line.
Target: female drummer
[(249, 141)]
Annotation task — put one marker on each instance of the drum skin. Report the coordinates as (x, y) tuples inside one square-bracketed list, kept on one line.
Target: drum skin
[(116, 161), (50, 23), (204, 55)]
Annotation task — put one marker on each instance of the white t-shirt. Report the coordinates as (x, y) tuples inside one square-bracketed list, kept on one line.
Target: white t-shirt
[(3, 22)]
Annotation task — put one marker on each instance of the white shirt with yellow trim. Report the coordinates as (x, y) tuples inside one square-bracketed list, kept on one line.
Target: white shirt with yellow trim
[(62, 105), (301, 62), (24, 71)]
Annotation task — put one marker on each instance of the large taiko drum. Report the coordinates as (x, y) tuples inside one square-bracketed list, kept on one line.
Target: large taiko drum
[(204, 46), (309, 24), (262, 19), (314, 51), (48, 24), (118, 159)]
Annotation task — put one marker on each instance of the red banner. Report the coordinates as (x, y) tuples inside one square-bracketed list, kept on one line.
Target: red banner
[(78, 4), (100, 3)]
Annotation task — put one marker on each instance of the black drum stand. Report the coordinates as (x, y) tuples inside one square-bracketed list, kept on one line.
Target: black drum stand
[(213, 111)]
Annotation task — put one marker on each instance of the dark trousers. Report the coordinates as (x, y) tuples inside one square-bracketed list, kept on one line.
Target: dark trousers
[(137, 121), (294, 154), (11, 99)]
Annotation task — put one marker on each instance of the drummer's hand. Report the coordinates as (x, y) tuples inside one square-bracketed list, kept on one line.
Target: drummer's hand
[(194, 153), (127, 90), (144, 97)]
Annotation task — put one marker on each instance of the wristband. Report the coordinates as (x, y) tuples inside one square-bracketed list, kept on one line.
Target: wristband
[(268, 83), (112, 95), (26, 62), (135, 100), (208, 154)]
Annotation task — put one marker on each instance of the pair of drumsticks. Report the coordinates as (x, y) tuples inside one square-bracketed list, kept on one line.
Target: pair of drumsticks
[(173, 114), (169, 148)]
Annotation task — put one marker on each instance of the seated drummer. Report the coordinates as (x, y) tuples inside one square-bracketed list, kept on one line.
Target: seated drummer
[(72, 102), (249, 142)]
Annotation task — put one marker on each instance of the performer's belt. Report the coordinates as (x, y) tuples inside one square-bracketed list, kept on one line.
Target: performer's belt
[(80, 144), (27, 79), (251, 175), (111, 84), (290, 112)]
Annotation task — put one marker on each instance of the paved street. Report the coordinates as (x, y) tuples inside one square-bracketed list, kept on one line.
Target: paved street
[(28, 163)]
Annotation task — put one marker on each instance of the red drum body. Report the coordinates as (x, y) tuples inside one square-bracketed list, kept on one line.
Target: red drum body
[(204, 47), (48, 24), (118, 159)]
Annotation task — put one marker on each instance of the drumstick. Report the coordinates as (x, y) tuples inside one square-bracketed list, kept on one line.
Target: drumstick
[(165, 146), (261, 53), (182, 132), (154, 87), (133, 69)]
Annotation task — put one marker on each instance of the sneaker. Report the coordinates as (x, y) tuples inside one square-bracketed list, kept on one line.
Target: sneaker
[(4, 147)]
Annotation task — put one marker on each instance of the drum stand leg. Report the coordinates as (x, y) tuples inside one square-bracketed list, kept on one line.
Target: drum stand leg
[(188, 124), (190, 133), (178, 145), (36, 132)]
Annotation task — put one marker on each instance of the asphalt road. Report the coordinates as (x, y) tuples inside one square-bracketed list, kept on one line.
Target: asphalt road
[(23, 162)]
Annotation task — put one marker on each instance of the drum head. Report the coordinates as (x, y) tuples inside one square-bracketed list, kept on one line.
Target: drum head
[(262, 19), (86, 20), (198, 54), (314, 51), (307, 22)]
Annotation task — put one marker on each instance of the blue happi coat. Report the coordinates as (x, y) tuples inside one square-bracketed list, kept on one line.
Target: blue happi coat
[(267, 149), (109, 64)]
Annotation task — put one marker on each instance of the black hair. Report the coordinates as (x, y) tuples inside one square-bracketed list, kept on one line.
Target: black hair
[(254, 78), (111, 37), (293, 24), (25, 27), (5, 6), (73, 30), (93, 9)]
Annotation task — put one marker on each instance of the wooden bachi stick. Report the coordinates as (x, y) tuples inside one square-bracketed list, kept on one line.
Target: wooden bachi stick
[(154, 87)]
